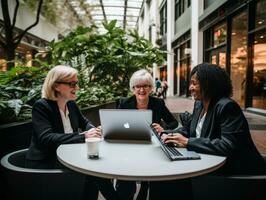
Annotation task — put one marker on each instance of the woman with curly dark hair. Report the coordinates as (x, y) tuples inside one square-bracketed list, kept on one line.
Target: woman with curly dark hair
[(217, 125)]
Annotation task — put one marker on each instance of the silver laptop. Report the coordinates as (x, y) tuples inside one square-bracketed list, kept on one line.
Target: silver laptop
[(123, 124)]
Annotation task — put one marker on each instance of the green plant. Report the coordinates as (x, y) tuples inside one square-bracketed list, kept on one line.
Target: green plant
[(95, 94), (20, 88), (49, 9), (107, 59), (105, 63)]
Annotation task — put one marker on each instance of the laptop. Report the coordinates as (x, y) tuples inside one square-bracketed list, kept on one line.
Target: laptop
[(174, 153), (126, 124)]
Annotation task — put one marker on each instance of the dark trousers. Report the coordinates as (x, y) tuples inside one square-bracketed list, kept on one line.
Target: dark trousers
[(127, 189), (176, 189), (94, 184)]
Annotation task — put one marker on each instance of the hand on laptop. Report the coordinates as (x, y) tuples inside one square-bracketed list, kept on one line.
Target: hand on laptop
[(94, 132), (157, 127), (175, 138)]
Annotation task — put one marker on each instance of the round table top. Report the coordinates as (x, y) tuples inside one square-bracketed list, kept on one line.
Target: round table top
[(131, 161)]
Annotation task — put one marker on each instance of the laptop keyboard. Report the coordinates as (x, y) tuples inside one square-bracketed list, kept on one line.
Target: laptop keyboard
[(171, 151)]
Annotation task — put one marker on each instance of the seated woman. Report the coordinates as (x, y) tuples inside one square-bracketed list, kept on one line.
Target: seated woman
[(56, 120), (142, 84), (218, 125)]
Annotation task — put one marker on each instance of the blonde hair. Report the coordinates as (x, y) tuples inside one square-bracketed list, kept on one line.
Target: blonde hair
[(140, 76), (57, 73)]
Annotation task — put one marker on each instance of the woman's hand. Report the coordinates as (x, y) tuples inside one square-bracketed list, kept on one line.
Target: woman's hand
[(157, 127), (176, 139), (94, 132)]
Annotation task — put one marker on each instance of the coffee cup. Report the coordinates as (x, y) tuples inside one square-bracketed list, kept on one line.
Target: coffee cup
[(93, 147)]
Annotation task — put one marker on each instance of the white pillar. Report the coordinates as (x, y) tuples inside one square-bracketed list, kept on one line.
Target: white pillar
[(154, 12), (155, 71), (170, 54), (196, 35)]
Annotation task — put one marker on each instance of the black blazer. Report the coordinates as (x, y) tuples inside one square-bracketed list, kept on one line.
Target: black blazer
[(48, 131), (225, 132), (159, 110)]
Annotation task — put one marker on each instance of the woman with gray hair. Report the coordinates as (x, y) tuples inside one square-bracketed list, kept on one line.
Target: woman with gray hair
[(141, 84), (56, 120)]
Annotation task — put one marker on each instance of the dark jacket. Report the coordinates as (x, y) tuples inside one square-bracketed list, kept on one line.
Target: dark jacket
[(48, 131), (225, 132), (159, 110)]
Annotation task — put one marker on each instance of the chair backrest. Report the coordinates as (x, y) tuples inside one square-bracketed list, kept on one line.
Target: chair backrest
[(25, 183), (229, 188), (244, 187)]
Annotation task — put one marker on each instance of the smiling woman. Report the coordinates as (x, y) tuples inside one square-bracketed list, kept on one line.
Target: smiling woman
[(142, 84), (56, 120)]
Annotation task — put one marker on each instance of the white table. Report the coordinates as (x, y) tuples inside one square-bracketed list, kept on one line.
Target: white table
[(135, 162)]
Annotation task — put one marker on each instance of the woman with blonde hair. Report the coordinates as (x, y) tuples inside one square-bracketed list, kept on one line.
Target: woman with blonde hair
[(56, 120)]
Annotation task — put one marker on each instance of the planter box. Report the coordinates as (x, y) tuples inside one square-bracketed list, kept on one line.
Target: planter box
[(15, 136), (92, 113)]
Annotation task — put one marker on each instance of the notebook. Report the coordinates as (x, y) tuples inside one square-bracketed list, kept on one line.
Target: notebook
[(124, 124), (174, 153)]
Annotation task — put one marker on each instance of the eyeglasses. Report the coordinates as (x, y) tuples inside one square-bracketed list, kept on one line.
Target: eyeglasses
[(138, 87), (72, 84)]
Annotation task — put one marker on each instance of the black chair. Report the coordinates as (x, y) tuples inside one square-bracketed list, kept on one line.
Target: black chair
[(244, 187), (42, 184)]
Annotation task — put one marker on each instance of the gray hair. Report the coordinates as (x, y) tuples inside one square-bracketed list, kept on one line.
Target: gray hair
[(140, 76), (57, 73)]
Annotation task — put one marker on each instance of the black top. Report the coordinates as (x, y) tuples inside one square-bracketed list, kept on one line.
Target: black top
[(225, 132), (159, 110), (48, 131)]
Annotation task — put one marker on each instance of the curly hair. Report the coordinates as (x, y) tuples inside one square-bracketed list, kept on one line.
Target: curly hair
[(215, 83)]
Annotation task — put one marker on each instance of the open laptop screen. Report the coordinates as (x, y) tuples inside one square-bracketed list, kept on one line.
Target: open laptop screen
[(123, 124)]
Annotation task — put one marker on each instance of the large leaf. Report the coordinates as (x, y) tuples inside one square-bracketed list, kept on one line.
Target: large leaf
[(16, 104)]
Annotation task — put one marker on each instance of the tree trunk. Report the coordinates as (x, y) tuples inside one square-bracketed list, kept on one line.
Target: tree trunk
[(10, 55), (10, 41)]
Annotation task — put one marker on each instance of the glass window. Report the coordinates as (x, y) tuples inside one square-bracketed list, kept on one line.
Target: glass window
[(219, 35), (180, 7), (184, 64), (213, 58), (177, 5), (239, 56), (163, 19), (222, 59), (207, 3), (259, 74), (218, 57), (260, 14), (216, 45)]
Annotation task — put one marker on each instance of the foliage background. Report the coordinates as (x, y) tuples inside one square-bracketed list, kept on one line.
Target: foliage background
[(105, 63)]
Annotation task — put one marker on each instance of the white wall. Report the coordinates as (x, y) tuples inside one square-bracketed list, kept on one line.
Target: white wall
[(170, 54), (196, 35)]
